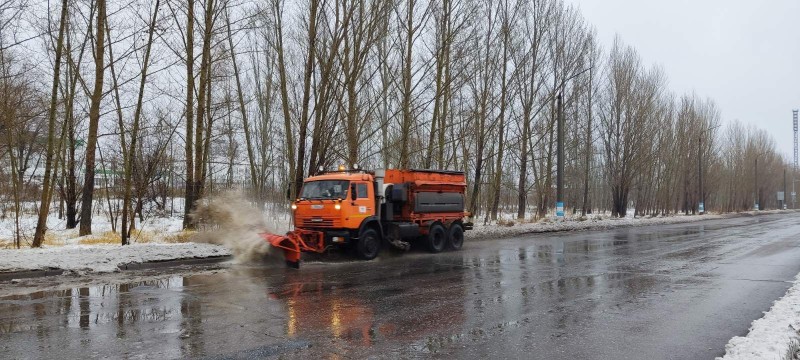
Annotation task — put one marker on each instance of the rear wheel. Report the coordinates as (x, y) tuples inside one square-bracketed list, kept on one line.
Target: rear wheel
[(437, 238), (455, 237), (369, 244)]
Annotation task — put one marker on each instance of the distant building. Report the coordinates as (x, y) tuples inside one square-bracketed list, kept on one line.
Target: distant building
[(103, 178)]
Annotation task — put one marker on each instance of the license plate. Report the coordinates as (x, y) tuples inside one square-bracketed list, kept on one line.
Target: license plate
[(316, 220), (317, 207)]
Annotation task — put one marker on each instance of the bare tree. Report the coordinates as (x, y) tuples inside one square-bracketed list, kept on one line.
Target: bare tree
[(190, 191), (626, 118), (128, 163), (44, 205), (94, 121)]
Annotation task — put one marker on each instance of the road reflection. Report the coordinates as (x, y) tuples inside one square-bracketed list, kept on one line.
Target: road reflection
[(524, 292)]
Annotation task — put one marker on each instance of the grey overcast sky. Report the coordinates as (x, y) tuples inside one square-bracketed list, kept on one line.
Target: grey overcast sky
[(743, 54)]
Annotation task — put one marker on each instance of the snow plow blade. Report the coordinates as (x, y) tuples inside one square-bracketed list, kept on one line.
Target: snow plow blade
[(295, 242)]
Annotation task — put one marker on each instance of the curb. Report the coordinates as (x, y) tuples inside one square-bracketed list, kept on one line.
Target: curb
[(172, 263), (29, 274), (157, 264)]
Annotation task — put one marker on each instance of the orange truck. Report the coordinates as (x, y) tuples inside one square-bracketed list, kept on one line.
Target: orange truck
[(364, 210)]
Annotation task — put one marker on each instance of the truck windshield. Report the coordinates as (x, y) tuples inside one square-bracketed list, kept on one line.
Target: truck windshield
[(325, 189)]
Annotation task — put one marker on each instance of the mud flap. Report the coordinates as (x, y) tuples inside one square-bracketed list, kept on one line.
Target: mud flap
[(401, 245)]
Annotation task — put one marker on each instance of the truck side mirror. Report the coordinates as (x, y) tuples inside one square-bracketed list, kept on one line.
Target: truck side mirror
[(353, 194)]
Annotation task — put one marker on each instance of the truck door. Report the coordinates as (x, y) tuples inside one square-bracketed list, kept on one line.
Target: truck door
[(364, 203)]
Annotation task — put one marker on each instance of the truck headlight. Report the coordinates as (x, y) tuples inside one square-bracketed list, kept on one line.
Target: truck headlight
[(337, 206), (294, 206)]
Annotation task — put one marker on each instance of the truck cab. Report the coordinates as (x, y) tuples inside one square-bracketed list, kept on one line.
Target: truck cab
[(335, 203)]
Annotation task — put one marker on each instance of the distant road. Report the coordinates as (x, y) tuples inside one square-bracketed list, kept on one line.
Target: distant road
[(658, 292)]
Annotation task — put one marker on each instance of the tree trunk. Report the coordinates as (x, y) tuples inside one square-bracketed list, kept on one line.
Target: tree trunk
[(498, 169), (245, 123), (71, 186), (126, 199), (44, 204), (405, 128), (588, 150), (94, 121), (291, 158), (189, 196), (304, 117)]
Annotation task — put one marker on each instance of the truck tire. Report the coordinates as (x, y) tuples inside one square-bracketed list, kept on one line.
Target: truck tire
[(437, 238), (369, 244), (455, 237)]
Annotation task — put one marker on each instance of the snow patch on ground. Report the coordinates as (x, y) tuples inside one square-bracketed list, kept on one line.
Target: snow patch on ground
[(154, 228), (771, 336), (82, 259), (552, 224)]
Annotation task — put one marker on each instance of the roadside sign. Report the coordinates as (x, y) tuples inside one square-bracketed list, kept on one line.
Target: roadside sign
[(756, 207), (780, 195), (702, 207), (560, 209)]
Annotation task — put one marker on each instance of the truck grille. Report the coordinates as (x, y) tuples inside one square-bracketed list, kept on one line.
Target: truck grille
[(319, 222)]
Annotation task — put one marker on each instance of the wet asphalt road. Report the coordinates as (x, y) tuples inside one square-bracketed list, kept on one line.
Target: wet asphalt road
[(659, 292)]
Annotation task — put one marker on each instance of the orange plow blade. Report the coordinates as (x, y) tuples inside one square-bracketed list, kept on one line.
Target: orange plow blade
[(295, 242)]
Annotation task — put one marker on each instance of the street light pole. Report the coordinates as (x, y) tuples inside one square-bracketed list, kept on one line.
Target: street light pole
[(755, 188), (560, 160), (560, 145), (783, 202), (702, 206), (701, 197)]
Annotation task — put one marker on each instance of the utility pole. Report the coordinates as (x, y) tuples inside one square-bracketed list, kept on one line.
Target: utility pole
[(794, 125), (701, 196), (755, 188), (560, 145), (560, 160), (701, 208), (794, 169), (783, 202)]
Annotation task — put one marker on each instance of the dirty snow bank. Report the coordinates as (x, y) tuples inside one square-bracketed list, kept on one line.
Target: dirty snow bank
[(595, 223), (771, 336), (101, 258)]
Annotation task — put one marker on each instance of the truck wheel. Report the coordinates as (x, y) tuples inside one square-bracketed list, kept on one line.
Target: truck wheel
[(455, 237), (369, 244), (437, 238)]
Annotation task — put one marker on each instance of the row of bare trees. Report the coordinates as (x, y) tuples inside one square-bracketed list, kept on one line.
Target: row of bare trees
[(145, 101)]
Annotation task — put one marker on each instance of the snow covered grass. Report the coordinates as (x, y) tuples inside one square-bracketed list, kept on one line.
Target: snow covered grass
[(157, 238), (152, 230), (81, 259), (774, 336), (505, 227)]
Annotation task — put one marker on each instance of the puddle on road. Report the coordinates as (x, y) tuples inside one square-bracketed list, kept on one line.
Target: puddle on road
[(87, 307)]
